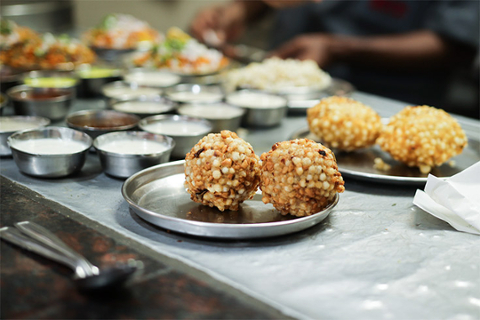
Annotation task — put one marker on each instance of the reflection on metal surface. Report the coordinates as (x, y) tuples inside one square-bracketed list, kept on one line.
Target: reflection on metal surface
[(360, 163), (157, 195)]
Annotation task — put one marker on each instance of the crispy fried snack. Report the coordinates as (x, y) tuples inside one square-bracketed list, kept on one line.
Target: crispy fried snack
[(222, 171), (422, 137), (344, 123), (299, 177)]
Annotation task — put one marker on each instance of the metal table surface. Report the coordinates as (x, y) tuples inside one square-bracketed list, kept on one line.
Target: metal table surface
[(376, 256)]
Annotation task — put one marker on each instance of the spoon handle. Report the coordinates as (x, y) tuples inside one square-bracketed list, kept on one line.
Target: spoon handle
[(46, 237), (16, 237)]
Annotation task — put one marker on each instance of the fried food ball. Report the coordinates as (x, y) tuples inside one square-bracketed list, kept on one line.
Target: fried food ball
[(422, 137), (344, 123), (222, 171), (299, 177)]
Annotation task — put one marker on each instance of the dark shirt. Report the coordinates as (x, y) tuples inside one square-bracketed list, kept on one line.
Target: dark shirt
[(453, 19)]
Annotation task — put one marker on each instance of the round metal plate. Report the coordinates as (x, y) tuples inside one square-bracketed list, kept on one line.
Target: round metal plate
[(359, 164), (158, 196)]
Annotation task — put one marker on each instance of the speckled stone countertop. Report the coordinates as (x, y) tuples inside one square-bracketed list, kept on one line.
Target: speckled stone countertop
[(375, 257)]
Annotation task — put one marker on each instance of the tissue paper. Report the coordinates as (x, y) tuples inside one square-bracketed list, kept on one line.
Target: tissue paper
[(455, 200)]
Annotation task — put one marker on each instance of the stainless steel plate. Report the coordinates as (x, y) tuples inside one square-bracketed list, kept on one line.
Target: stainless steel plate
[(359, 164), (158, 196)]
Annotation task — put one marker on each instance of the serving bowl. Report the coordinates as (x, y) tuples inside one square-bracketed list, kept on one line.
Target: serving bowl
[(222, 116), (194, 93), (97, 122), (111, 54), (55, 79), (120, 90), (51, 103), (186, 131), (262, 109), (151, 77), (125, 153), (93, 77), (143, 106), (50, 152), (11, 124)]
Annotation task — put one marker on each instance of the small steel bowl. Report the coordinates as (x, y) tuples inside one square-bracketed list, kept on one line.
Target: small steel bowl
[(194, 93), (151, 78), (177, 127), (143, 106), (120, 159), (97, 122), (43, 102), (11, 124), (120, 90), (55, 79), (49, 164), (221, 115), (93, 77), (262, 109), (110, 54)]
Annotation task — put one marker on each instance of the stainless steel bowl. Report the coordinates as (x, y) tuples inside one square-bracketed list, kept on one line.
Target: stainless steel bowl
[(56, 79), (111, 55), (176, 126), (97, 122), (119, 90), (221, 115), (11, 124), (49, 165), (151, 77), (94, 77), (195, 93), (43, 102), (262, 109), (143, 106), (126, 162)]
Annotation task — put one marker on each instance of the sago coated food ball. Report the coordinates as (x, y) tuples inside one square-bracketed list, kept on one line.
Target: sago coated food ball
[(222, 171), (344, 123), (422, 137), (299, 177)]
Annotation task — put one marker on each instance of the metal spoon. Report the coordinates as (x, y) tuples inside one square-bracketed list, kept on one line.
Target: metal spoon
[(88, 277)]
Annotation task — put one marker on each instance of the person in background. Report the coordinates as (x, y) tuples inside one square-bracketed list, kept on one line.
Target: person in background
[(405, 50)]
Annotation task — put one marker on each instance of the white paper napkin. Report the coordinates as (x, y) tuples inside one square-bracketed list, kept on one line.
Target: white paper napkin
[(455, 200)]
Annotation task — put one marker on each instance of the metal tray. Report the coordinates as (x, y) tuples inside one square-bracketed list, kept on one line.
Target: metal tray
[(158, 196), (359, 164)]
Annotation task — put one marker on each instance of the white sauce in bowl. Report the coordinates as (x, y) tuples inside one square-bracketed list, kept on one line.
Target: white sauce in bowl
[(211, 111), (202, 96), (256, 100), (12, 125), (176, 128), (142, 107), (131, 93), (154, 79), (49, 146), (133, 146)]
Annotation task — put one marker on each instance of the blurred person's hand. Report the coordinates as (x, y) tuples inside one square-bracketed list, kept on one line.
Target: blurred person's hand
[(316, 47), (217, 25), (279, 4)]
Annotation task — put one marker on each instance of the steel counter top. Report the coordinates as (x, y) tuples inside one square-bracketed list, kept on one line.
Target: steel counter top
[(376, 257)]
